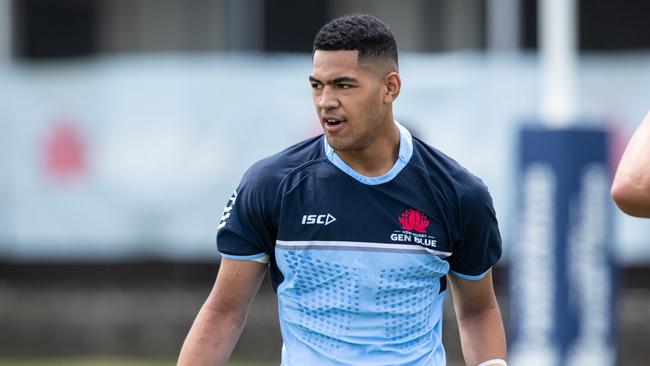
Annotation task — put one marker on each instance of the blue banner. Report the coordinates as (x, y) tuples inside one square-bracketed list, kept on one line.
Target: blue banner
[(562, 282)]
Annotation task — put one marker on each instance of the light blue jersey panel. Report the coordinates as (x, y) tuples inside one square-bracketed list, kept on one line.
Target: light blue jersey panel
[(360, 304)]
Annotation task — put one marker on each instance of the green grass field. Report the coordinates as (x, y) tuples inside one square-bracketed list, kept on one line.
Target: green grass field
[(98, 361), (106, 362)]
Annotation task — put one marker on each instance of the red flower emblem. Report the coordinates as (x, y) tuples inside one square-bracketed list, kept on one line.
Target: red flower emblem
[(413, 220)]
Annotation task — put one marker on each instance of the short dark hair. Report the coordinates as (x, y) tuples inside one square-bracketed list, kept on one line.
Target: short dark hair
[(358, 32)]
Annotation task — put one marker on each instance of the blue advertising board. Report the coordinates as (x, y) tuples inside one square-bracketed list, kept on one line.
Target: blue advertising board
[(562, 277)]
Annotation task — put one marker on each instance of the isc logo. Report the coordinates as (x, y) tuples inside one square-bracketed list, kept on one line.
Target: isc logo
[(318, 219)]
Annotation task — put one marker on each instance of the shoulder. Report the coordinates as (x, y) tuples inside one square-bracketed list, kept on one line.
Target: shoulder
[(271, 171), (444, 168), (447, 174)]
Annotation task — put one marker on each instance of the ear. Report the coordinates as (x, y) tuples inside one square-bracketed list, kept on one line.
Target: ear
[(392, 86)]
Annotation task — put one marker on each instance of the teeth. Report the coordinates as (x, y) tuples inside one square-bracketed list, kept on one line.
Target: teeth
[(331, 120)]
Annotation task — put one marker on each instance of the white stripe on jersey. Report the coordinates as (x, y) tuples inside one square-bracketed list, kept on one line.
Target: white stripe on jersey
[(360, 246)]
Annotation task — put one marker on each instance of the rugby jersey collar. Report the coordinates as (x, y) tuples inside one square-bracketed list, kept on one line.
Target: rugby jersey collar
[(403, 157)]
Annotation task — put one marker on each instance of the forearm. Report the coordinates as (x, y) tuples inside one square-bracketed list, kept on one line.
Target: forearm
[(482, 335), (212, 338), (631, 187), (221, 319)]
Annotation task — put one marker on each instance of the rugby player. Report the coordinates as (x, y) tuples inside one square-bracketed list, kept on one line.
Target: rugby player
[(364, 229)]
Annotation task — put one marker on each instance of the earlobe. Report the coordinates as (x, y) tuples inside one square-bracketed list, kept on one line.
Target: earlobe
[(388, 98), (392, 87)]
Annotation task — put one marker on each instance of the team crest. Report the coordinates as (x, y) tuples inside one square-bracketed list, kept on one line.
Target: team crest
[(413, 220), (414, 229)]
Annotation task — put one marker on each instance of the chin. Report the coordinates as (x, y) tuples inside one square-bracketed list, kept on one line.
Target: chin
[(338, 144)]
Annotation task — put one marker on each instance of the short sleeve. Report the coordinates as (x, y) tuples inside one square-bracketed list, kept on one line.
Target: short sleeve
[(479, 247), (247, 230)]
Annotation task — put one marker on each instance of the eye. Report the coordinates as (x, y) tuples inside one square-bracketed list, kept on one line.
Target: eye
[(316, 86), (344, 86)]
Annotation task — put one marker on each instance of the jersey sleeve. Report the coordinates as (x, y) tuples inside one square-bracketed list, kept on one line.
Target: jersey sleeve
[(479, 247), (247, 229)]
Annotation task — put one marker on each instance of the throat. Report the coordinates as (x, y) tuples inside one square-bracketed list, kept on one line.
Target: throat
[(369, 166), (375, 160)]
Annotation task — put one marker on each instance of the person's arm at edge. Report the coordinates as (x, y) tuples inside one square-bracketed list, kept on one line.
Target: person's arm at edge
[(631, 186), (220, 321), (479, 319)]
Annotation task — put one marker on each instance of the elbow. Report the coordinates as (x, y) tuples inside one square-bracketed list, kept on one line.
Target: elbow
[(620, 196), (469, 314), (232, 318), (234, 321), (630, 200)]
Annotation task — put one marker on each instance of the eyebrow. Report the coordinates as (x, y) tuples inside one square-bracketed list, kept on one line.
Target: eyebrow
[(342, 79)]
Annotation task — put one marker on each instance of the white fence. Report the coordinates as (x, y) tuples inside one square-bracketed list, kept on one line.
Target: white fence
[(136, 156)]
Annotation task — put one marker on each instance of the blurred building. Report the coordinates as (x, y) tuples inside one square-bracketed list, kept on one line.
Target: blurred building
[(73, 28)]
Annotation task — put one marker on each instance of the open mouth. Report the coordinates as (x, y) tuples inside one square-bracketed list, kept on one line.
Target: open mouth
[(333, 121)]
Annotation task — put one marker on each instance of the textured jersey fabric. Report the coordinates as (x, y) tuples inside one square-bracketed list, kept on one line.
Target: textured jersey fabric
[(359, 263)]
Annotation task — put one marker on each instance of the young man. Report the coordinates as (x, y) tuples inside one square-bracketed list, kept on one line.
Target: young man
[(361, 227), (631, 187)]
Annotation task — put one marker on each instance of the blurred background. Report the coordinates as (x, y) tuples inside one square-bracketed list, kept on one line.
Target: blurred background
[(125, 125)]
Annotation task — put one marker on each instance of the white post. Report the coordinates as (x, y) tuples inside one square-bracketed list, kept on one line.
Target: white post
[(557, 30), (503, 26)]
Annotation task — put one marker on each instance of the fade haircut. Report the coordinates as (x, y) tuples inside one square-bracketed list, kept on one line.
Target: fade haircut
[(358, 32)]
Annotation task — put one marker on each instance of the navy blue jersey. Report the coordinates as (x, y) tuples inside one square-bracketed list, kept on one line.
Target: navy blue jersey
[(359, 263)]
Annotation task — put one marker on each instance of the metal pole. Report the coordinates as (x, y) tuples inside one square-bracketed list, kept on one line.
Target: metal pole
[(246, 25), (503, 25), (6, 143), (5, 32), (562, 295)]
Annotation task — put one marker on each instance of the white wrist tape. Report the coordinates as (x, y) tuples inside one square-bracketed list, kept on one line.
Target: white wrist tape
[(493, 362)]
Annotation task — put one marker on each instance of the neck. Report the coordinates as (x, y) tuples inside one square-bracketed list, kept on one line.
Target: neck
[(379, 156)]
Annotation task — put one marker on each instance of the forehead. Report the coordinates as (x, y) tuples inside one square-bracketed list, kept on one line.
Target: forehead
[(328, 64)]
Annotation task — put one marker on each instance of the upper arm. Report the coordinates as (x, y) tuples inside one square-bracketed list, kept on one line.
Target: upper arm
[(479, 241), (245, 237), (248, 227), (236, 285), (631, 186), (472, 295), (479, 319)]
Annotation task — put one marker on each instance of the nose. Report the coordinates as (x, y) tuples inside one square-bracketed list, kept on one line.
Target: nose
[(328, 98)]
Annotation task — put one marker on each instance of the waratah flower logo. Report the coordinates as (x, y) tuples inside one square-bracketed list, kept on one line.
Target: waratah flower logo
[(413, 220)]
